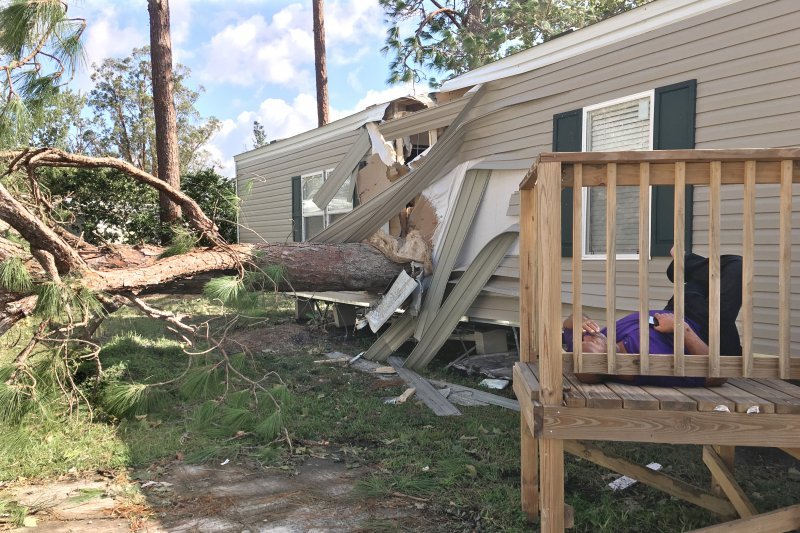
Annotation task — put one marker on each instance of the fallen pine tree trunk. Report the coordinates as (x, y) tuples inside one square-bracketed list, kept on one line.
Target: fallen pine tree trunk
[(56, 257)]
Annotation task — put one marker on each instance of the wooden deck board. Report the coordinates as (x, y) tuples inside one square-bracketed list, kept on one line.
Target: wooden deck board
[(745, 400), (634, 397), (671, 399), (781, 385), (784, 403), (707, 399)]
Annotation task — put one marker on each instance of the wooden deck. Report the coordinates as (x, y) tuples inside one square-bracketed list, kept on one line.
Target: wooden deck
[(749, 396)]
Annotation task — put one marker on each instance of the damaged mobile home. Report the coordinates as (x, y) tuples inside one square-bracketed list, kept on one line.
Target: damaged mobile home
[(436, 180)]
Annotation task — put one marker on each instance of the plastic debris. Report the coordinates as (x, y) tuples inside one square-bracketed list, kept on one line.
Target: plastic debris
[(226, 461), (624, 482), (753, 410), (722, 409), (498, 384)]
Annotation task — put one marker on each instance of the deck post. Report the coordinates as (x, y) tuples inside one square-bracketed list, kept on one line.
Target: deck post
[(551, 451)]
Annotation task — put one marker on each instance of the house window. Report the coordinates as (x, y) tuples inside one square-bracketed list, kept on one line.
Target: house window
[(316, 219), (622, 124)]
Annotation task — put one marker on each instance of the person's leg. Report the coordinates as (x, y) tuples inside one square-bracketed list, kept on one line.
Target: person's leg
[(730, 303)]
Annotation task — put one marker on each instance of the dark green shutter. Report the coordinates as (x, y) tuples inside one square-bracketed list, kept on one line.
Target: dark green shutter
[(297, 209), (673, 129), (567, 137)]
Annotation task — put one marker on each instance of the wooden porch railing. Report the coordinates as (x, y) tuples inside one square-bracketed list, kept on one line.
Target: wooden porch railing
[(540, 268)]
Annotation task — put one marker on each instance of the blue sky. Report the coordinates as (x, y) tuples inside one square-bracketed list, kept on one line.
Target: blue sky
[(254, 58)]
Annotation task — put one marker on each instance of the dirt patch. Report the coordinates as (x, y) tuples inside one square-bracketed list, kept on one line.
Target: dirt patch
[(319, 495)]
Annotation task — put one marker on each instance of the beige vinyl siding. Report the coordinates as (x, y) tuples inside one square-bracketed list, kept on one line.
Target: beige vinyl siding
[(266, 212), (746, 59)]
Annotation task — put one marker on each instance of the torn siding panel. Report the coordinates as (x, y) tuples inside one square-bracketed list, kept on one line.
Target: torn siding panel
[(455, 229), (513, 205), (460, 298), (369, 217), (426, 120), (343, 170)]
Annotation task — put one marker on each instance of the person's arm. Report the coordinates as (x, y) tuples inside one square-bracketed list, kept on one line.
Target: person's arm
[(692, 343)]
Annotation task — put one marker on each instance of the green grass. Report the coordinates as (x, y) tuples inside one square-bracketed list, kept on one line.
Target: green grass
[(464, 468)]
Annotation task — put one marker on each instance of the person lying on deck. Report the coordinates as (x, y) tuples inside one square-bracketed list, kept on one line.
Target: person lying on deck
[(662, 328)]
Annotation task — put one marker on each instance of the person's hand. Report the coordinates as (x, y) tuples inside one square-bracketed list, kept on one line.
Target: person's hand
[(589, 326), (666, 322)]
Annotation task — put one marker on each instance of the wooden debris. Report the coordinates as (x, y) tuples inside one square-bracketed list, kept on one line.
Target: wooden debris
[(475, 396), (425, 391), (403, 398), (385, 370), (337, 361)]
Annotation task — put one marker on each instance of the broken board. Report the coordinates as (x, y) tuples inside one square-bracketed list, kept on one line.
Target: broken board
[(425, 391)]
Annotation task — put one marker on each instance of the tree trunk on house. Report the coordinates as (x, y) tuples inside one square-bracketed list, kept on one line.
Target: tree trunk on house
[(319, 62), (164, 107), (57, 256)]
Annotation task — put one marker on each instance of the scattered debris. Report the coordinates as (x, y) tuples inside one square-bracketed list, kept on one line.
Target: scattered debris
[(493, 365), (153, 484), (722, 409), (385, 370), (753, 410), (425, 391), (498, 384), (624, 482), (226, 461), (354, 359), (401, 289), (403, 398), (336, 361)]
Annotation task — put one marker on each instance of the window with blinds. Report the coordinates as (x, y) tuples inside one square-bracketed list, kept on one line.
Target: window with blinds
[(615, 126)]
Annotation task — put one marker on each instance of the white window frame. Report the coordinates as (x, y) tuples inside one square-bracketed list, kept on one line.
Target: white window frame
[(585, 192), (326, 217)]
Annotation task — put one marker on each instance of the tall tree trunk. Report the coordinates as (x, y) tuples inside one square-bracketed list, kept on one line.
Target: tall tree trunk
[(164, 106), (319, 62)]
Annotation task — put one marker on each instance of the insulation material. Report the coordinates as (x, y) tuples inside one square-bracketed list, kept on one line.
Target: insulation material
[(414, 247), (379, 146), (423, 218), (441, 196), (372, 179)]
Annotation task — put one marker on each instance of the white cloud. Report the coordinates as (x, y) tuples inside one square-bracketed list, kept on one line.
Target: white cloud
[(280, 50), (107, 35), (280, 118)]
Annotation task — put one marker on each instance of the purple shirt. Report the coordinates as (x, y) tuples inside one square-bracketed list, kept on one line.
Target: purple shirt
[(660, 343)]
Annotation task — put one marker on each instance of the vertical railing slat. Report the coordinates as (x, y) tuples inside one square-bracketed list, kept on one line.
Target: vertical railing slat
[(680, 250), (714, 269), (577, 256), (527, 278), (644, 267), (785, 269), (611, 265), (748, 251)]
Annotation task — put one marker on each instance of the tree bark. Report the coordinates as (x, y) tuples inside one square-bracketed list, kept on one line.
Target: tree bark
[(164, 107), (319, 62)]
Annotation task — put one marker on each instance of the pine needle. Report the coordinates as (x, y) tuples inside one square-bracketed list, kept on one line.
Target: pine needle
[(14, 277), (226, 289), (270, 427), (126, 399), (14, 404), (52, 300), (183, 241), (201, 382)]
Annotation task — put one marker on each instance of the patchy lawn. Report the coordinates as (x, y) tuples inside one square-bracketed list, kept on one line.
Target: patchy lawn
[(195, 456)]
